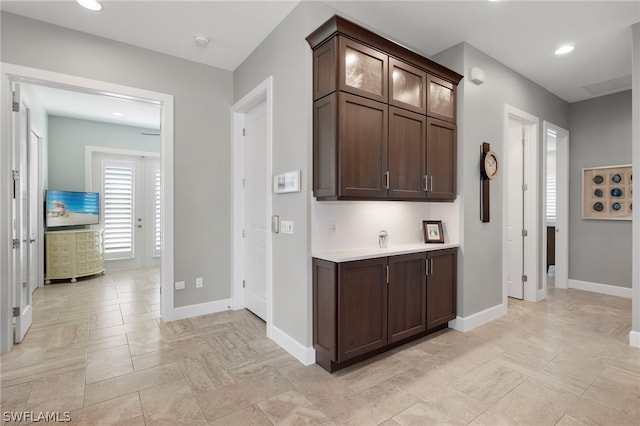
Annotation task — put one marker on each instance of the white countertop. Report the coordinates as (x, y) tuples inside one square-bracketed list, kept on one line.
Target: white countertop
[(371, 252)]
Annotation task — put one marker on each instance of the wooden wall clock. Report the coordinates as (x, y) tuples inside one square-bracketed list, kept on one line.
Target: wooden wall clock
[(488, 171)]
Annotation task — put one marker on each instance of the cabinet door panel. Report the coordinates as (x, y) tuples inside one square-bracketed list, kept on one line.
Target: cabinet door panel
[(362, 311), (407, 86), (441, 159), (441, 287), (407, 140), (325, 172), (363, 70), (324, 69), (324, 307), (441, 99), (407, 296), (363, 147)]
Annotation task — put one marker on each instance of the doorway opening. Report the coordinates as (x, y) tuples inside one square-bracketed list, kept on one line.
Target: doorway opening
[(555, 243), (12, 271)]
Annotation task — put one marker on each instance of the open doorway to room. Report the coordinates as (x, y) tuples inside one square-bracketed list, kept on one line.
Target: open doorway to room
[(555, 234), (68, 136)]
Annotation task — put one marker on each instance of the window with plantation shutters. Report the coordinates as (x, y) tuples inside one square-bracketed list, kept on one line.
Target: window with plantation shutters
[(118, 190)]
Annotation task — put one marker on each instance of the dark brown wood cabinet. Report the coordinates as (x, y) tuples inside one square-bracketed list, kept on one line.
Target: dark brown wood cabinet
[(407, 296), (441, 288), (381, 87), (441, 162), (364, 307), (442, 98), (407, 144)]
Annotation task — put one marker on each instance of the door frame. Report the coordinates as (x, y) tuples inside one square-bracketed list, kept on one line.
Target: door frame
[(531, 200), (40, 184), (562, 205), (18, 73), (89, 152), (261, 93)]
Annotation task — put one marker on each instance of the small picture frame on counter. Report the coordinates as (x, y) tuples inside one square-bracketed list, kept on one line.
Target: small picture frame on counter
[(433, 232)]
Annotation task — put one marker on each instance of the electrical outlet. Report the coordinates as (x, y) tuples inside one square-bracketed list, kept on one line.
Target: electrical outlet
[(199, 282), (333, 227), (180, 285), (286, 226)]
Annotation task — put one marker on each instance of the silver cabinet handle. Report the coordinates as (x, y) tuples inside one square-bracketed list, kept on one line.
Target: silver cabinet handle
[(426, 178), (386, 179)]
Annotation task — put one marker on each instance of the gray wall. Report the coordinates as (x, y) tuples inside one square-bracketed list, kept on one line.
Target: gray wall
[(286, 56), (202, 96), (481, 118), (600, 250), (68, 138)]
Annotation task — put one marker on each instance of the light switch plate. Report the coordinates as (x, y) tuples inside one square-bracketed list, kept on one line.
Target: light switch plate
[(199, 282), (286, 226), (275, 224), (180, 285)]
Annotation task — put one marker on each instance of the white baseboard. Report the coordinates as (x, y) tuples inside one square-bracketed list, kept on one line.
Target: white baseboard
[(200, 309), (611, 290), (465, 324), (634, 339), (306, 355)]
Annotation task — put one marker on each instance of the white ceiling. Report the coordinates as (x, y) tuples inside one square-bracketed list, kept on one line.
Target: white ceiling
[(85, 106), (520, 34)]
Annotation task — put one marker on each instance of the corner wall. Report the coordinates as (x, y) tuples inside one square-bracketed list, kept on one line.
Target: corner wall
[(600, 250), (481, 108), (634, 336)]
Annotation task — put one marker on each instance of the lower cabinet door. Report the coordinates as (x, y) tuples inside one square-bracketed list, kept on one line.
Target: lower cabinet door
[(362, 312), (441, 287), (407, 296)]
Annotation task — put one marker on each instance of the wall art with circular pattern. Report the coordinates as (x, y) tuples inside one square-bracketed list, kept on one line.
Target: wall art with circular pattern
[(607, 192)]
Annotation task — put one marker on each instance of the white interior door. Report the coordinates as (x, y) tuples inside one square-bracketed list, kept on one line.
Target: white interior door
[(515, 210), (20, 217), (130, 208), (257, 189)]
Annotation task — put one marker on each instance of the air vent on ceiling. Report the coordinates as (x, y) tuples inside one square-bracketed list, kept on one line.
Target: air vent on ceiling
[(607, 86)]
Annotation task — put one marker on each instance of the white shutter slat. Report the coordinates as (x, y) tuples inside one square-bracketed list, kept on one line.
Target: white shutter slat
[(118, 209)]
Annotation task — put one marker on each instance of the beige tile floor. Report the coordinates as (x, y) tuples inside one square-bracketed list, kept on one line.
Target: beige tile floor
[(98, 350)]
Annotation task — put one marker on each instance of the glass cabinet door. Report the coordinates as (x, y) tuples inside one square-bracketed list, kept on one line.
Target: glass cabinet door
[(441, 100), (407, 86), (363, 71)]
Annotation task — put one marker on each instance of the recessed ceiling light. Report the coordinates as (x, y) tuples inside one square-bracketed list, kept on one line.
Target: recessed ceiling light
[(117, 114), (91, 4), (563, 50)]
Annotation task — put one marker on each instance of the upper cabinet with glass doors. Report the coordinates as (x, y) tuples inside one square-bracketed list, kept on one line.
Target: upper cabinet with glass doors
[(405, 156)]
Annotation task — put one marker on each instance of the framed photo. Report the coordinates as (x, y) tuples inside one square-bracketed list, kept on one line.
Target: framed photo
[(433, 231), (287, 182), (607, 193)]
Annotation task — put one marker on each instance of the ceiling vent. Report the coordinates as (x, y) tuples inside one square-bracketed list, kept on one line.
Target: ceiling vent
[(608, 86)]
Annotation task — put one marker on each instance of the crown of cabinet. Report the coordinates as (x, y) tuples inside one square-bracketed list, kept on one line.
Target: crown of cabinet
[(384, 118)]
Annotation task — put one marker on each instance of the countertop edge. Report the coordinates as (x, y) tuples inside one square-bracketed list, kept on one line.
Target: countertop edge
[(374, 252)]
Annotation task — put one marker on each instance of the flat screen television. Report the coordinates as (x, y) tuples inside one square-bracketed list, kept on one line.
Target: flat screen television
[(69, 208)]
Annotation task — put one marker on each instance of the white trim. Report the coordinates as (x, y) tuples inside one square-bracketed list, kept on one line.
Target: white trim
[(532, 222), (206, 308), (305, 354), (465, 324), (262, 93), (634, 339), (611, 290), (18, 73)]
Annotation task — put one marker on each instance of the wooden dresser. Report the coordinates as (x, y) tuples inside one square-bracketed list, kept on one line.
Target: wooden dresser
[(73, 254)]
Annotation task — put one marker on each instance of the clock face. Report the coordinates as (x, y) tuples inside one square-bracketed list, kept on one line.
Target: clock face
[(490, 165)]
